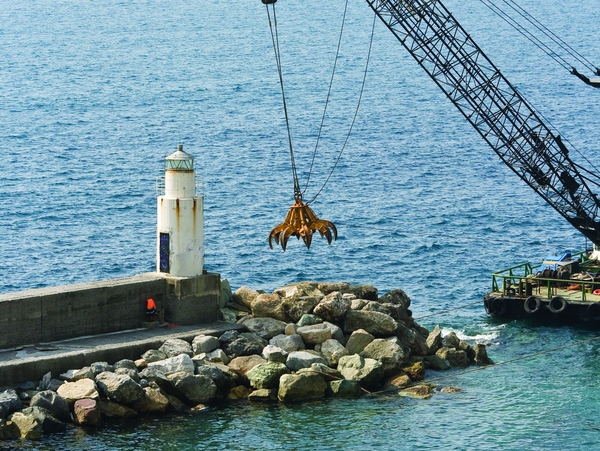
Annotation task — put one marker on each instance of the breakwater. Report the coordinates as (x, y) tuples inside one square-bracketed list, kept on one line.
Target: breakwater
[(304, 341)]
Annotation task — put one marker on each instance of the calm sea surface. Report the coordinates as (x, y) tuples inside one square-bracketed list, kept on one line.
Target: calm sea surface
[(95, 94)]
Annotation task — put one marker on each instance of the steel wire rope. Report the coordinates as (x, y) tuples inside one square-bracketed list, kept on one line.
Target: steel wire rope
[(327, 98), (362, 88), (549, 33), (275, 39)]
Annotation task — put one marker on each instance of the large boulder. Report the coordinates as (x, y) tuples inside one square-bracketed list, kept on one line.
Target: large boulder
[(173, 347), (332, 307), (301, 387), (29, 427), (289, 343), (315, 334), (412, 340), (303, 359), (83, 388), (274, 354), (86, 412), (397, 297), (204, 343), (9, 402), (241, 346), (152, 401), (368, 372), (119, 387), (434, 340), (457, 358), (481, 357), (332, 350), (344, 389), (388, 352), (181, 362), (53, 403), (266, 375), (358, 340), (223, 376), (113, 409), (367, 292), (266, 328), (244, 296), (269, 306), (192, 389), (298, 306), (376, 323), (330, 287), (49, 422), (153, 355)]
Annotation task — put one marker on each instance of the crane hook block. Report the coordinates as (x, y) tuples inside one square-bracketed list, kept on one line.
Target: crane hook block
[(268, 2)]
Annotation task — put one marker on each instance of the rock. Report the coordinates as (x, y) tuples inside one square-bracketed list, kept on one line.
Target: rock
[(397, 297), (100, 367), (152, 401), (216, 356), (244, 296), (314, 334), (53, 403), (329, 287), (181, 362), (239, 392), (301, 387), (290, 329), (456, 358), (87, 412), (119, 387), (481, 357), (308, 319), (296, 307), (263, 395), (153, 355), (113, 409), (241, 346), (9, 430), (226, 293), (223, 376), (303, 359), (266, 375), (336, 332), (204, 343), (154, 375), (451, 341), (45, 382), (274, 354), (300, 289), (29, 427), (332, 307), (241, 365), (421, 391), (126, 364), (229, 315), (332, 350), (344, 389), (389, 353), (289, 343), (450, 390), (266, 328), (175, 404), (437, 363), (434, 340), (73, 391), (49, 422), (416, 371), (192, 389), (401, 380), (368, 372), (9, 402), (358, 340), (413, 340), (367, 292), (269, 306), (173, 347), (134, 374), (376, 323), (358, 304)]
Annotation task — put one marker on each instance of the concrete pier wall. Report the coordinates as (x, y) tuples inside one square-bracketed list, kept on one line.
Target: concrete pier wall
[(58, 313)]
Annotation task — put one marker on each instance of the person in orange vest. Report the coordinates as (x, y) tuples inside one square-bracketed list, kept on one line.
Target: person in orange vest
[(150, 310)]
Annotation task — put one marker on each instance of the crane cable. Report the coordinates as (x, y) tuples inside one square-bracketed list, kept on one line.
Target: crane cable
[(275, 40), (537, 41), (362, 88)]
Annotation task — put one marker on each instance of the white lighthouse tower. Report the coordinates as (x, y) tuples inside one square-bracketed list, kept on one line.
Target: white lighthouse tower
[(180, 228)]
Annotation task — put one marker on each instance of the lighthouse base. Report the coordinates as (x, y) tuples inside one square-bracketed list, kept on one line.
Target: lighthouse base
[(192, 300)]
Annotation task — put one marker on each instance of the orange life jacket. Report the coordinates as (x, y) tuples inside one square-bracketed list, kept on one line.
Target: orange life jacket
[(150, 304)]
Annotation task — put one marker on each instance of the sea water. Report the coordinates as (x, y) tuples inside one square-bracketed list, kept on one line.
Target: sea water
[(96, 94)]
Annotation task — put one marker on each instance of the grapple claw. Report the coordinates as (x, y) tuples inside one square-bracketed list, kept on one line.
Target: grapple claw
[(301, 222)]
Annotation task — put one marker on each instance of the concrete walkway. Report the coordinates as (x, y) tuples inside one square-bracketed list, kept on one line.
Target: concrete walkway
[(32, 362)]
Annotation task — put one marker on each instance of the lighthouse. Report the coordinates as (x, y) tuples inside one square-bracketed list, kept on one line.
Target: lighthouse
[(180, 219)]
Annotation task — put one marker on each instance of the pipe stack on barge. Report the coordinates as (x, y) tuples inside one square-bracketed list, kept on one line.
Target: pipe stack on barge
[(564, 287)]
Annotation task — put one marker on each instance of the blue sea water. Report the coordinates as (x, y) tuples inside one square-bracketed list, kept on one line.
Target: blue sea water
[(96, 94)]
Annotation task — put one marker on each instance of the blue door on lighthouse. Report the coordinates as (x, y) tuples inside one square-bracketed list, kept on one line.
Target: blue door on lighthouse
[(164, 252)]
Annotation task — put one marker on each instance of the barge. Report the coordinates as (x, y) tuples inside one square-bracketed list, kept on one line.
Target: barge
[(564, 287)]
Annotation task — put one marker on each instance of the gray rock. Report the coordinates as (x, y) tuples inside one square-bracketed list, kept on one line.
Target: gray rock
[(29, 427), (274, 354), (269, 306), (413, 340), (266, 375), (49, 422), (241, 365), (119, 387), (126, 363), (368, 372), (10, 402), (434, 340), (358, 340), (244, 296), (182, 362), (336, 332), (204, 343), (332, 307), (332, 350), (216, 356), (314, 334), (298, 306), (344, 389), (455, 357), (175, 346), (308, 319), (134, 374), (152, 401), (241, 346), (301, 387), (376, 323), (154, 355), (437, 363), (45, 382), (53, 403), (228, 336), (389, 353), (358, 304), (226, 293), (451, 341), (266, 328), (481, 357), (367, 292), (329, 287), (9, 430), (397, 297), (194, 389), (223, 376), (303, 359), (113, 409), (289, 343), (100, 367), (263, 395)]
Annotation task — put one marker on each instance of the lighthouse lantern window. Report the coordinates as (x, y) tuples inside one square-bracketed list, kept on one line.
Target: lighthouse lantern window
[(179, 161)]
